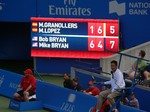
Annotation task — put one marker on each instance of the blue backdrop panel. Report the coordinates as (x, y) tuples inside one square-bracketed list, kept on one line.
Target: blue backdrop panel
[(134, 15), (143, 97), (62, 65), (64, 100), (24, 106), (17, 10), (8, 83), (124, 108)]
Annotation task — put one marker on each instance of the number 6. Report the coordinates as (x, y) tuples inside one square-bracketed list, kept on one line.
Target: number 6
[(92, 44)]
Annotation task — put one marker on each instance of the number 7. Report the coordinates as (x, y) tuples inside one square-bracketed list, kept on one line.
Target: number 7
[(112, 44)]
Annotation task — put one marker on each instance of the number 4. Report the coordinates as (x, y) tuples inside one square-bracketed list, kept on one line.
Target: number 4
[(112, 44), (100, 44)]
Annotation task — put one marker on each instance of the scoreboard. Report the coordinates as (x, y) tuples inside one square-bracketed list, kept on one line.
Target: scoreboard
[(74, 38)]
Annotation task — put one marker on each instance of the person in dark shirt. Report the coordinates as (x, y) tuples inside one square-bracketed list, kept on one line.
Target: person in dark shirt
[(77, 85), (68, 83)]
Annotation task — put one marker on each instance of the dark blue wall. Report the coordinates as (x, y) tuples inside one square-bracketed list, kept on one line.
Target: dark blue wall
[(15, 40), (58, 65)]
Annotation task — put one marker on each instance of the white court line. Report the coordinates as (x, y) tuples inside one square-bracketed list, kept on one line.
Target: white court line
[(87, 36)]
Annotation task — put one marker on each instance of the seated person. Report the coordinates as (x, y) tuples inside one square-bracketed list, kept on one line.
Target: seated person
[(76, 84), (68, 83), (116, 82), (141, 66), (105, 106), (28, 86), (92, 90), (146, 72), (133, 102), (146, 76)]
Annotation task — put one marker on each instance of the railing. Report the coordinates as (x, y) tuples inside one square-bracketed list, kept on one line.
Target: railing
[(37, 74), (129, 89)]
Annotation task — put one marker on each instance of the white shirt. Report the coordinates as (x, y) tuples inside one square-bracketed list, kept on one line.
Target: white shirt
[(117, 81)]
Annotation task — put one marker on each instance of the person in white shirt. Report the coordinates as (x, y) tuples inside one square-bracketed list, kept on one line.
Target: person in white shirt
[(116, 82)]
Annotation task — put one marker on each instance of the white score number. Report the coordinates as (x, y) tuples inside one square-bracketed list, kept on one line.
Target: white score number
[(112, 29), (99, 30), (112, 44), (99, 44)]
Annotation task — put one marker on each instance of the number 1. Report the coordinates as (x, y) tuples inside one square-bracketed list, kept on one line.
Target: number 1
[(92, 29)]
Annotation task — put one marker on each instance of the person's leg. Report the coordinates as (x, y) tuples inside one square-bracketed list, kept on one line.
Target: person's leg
[(131, 75), (18, 95), (26, 96), (146, 75), (102, 97), (111, 97)]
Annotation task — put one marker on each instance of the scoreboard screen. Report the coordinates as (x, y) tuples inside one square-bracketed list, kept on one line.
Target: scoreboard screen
[(74, 38)]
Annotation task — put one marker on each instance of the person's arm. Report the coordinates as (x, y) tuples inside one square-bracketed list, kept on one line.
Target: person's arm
[(95, 92), (134, 65), (107, 82), (28, 88), (19, 86), (126, 100), (133, 103), (87, 90)]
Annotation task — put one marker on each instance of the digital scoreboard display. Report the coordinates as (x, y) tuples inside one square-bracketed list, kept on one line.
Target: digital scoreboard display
[(74, 38)]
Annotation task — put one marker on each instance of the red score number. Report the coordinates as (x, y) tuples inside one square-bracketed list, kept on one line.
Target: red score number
[(95, 41)]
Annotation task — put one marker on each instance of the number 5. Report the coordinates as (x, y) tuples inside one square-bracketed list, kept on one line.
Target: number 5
[(112, 29), (112, 44)]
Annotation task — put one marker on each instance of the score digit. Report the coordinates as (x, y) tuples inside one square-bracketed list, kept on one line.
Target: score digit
[(112, 44), (95, 44), (99, 30), (111, 29), (100, 44), (92, 29), (92, 44), (95, 29)]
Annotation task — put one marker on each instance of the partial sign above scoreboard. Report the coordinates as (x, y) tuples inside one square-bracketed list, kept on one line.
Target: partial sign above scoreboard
[(74, 38)]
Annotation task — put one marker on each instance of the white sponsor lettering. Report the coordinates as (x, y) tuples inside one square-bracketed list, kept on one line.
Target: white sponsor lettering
[(68, 107), (14, 104), (13, 85), (69, 9)]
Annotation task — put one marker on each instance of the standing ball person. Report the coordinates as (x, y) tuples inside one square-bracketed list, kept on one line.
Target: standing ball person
[(28, 86)]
